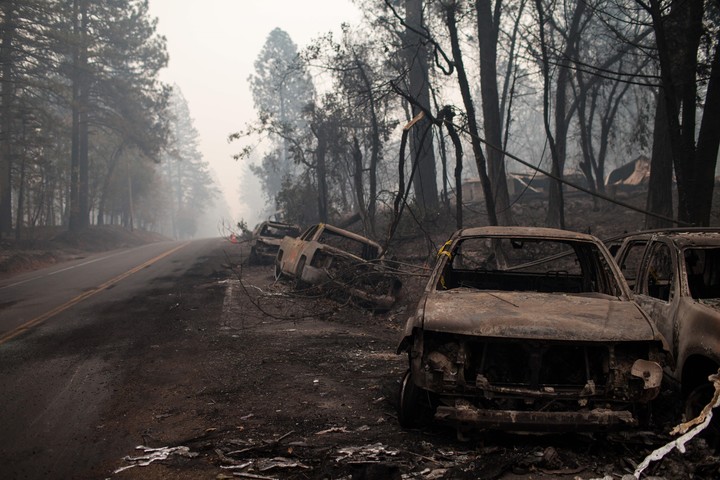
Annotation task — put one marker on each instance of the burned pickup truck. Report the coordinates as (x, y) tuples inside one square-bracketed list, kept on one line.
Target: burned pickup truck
[(528, 328), (339, 262), (266, 238)]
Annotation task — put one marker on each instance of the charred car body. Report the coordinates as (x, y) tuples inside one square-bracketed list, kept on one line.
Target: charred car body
[(528, 328), (338, 260), (675, 276), (266, 238)]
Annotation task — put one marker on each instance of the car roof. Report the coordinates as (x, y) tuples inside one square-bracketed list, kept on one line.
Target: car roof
[(349, 234), (689, 239), (528, 232), (683, 237)]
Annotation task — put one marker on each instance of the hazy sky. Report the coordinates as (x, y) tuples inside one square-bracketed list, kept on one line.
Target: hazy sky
[(213, 45)]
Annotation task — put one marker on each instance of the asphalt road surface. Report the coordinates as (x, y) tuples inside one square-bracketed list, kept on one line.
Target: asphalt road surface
[(63, 352)]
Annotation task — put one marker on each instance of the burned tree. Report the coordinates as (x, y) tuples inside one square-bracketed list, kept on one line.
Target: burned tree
[(425, 183), (685, 49)]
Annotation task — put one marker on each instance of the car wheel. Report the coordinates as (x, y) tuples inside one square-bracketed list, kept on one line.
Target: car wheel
[(694, 403), (253, 257), (415, 408)]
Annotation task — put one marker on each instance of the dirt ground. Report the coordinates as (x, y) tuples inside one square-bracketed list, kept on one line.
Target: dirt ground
[(250, 379)]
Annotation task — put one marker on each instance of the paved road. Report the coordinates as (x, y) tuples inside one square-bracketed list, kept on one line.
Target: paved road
[(56, 366), (31, 297)]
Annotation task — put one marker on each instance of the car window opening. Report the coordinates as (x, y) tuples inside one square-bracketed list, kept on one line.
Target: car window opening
[(519, 264)]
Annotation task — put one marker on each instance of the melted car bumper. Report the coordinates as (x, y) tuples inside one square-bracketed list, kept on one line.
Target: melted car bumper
[(466, 414)]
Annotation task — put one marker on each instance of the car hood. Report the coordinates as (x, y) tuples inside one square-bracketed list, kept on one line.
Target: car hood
[(536, 316)]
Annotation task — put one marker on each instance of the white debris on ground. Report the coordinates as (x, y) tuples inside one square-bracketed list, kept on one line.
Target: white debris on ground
[(688, 430), (153, 454), (368, 452), (265, 464)]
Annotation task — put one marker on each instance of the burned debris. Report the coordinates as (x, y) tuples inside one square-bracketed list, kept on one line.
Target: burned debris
[(336, 260)]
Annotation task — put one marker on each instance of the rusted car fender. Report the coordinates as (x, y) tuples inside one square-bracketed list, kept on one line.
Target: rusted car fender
[(288, 255), (698, 335)]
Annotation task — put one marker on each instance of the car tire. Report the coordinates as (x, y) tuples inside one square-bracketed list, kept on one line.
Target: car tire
[(415, 408), (694, 403), (253, 257)]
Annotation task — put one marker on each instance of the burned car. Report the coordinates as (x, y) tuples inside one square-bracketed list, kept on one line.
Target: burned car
[(339, 261), (675, 275), (524, 329), (266, 238)]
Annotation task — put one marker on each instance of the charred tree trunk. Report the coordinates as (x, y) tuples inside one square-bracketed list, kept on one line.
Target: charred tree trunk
[(586, 116), (451, 22), (594, 155), (446, 117), (74, 198), (84, 160), (106, 185), (7, 85), (555, 215), (130, 224), (358, 184), (563, 109), (421, 146), (488, 24), (708, 145), (375, 147), (20, 202), (659, 198), (320, 173), (79, 145), (678, 35)]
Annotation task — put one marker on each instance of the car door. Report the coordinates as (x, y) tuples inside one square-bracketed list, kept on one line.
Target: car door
[(292, 249), (628, 259), (657, 289)]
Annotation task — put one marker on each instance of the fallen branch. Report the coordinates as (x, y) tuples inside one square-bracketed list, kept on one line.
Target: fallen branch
[(255, 303), (270, 444), (333, 430), (688, 429)]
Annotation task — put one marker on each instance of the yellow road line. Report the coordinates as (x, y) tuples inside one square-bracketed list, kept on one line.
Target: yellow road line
[(41, 318)]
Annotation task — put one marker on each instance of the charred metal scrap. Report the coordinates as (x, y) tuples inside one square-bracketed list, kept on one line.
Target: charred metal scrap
[(334, 259)]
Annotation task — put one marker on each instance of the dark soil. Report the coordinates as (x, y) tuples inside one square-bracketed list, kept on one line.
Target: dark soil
[(251, 379)]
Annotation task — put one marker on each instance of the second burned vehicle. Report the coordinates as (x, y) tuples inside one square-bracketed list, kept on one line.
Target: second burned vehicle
[(339, 261), (675, 275), (266, 239), (528, 328)]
